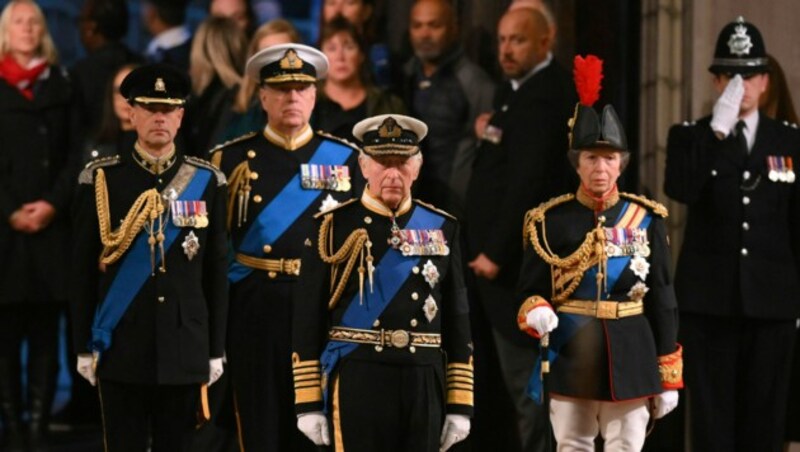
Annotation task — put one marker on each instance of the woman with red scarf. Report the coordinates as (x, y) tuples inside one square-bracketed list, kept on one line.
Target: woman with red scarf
[(38, 168)]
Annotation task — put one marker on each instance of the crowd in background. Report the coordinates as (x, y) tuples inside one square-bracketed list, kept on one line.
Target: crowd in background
[(55, 119)]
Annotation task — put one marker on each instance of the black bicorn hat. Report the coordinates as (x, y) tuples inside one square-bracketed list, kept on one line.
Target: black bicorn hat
[(390, 134), (287, 63), (156, 84), (740, 50), (591, 131), (588, 130)]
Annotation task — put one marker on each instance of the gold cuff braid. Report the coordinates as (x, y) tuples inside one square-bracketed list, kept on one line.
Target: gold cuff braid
[(671, 369)]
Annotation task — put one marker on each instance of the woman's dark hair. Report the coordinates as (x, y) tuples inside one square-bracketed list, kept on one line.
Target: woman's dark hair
[(341, 25), (109, 129), (110, 16)]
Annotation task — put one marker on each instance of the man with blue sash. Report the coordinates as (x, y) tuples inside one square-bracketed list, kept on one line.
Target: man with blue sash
[(278, 180), (381, 339), (150, 295), (596, 281)]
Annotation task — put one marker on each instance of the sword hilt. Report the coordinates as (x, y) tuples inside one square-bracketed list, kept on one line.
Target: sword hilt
[(544, 347)]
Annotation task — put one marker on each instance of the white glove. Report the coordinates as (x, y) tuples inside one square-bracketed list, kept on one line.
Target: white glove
[(726, 109), (542, 319), (215, 370), (315, 426), (455, 429), (665, 402), (86, 367)]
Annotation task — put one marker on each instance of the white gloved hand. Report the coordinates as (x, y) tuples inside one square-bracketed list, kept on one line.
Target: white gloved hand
[(542, 319), (86, 367), (665, 402), (215, 370), (726, 109), (455, 429), (315, 426)]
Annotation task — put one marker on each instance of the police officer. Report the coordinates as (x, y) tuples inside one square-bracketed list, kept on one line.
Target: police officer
[(279, 178), (595, 279), (381, 319), (150, 298), (737, 276)]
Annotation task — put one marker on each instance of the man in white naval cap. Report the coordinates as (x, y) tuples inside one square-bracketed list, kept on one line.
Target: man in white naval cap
[(382, 351), (279, 178)]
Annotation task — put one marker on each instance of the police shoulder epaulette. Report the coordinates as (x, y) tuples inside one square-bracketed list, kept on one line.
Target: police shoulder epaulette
[(333, 209), (338, 139), (655, 206), (232, 141), (435, 209), (207, 165), (87, 175)]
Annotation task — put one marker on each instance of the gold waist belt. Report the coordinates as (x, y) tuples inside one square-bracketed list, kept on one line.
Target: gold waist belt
[(273, 266), (385, 338), (602, 309)]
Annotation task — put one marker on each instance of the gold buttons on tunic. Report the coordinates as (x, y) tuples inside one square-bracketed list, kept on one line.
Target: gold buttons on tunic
[(267, 249), (415, 296), (415, 270), (257, 199), (414, 323), (368, 220), (160, 299), (272, 275), (254, 175), (376, 323), (251, 154)]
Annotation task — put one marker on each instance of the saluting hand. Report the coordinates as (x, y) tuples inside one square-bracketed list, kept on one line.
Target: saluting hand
[(726, 109)]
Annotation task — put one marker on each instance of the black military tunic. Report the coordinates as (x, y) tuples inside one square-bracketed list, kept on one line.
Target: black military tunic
[(738, 278), (390, 394), (259, 333), (176, 321), (604, 358)]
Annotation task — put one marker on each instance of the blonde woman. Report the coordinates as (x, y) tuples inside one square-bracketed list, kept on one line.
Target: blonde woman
[(216, 66), (38, 152), (247, 112)]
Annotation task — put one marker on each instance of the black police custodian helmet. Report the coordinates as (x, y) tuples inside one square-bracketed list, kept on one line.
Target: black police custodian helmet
[(740, 50), (155, 84)]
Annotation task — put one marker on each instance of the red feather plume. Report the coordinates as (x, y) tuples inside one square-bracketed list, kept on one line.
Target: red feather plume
[(587, 73)]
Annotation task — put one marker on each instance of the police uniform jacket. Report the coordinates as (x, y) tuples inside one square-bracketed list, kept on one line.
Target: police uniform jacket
[(39, 159), (271, 166), (177, 321), (314, 317), (607, 359), (741, 248)]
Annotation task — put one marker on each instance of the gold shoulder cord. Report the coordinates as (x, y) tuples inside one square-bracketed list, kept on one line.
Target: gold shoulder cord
[(239, 189), (147, 208), (357, 246), (567, 272)]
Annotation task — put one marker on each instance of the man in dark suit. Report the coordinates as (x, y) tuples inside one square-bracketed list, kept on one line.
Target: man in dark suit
[(520, 163), (738, 276), (279, 178), (172, 40), (150, 299)]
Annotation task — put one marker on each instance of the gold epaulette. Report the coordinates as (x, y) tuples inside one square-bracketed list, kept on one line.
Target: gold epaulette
[(339, 140), (87, 175), (216, 157), (537, 214), (207, 165), (332, 209), (658, 208), (435, 209)]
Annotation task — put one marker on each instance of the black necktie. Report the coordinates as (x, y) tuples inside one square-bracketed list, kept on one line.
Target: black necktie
[(741, 140)]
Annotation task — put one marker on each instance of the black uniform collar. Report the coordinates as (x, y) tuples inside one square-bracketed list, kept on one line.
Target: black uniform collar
[(287, 142), (601, 204), (154, 165), (376, 205)]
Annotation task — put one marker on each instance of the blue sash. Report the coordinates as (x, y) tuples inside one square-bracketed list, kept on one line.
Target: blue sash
[(570, 324), (284, 209), (134, 271), (390, 274)]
